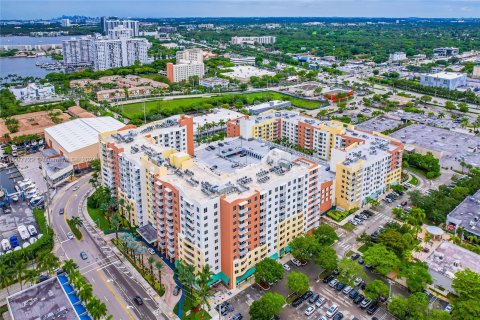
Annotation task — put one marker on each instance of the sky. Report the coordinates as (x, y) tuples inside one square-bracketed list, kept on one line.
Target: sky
[(34, 9)]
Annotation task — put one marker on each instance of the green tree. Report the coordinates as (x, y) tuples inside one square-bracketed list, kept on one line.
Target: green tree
[(325, 234), (304, 247), (159, 267), (297, 282), (375, 289), (467, 285), (381, 259), (393, 240), (417, 276), (96, 308), (69, 265), (47, 262), (186, 276), (449, 105), (268, 271), (463, 107), (85, 292), (349, 270), (468, 309), (438, 315), (417, 305), (116, 223), (269, 305), (398, 307), (327, 258)]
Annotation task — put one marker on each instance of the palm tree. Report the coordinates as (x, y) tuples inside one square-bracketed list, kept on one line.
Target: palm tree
[(116, 222), (20, 271), (47, 262), (76, 221), (159, 267), (30, 276), (69, 265), (441, 115), (204, 275), (186, 275), (85, 292), (96, 308), (150, 261), (6, 277)]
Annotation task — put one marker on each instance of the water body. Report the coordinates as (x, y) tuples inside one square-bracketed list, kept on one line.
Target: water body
[(24, 67), (24, 40)]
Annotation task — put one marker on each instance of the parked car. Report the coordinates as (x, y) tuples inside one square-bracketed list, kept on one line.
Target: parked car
[(333, 283), (331, 310), (365, 303), (320, 302), (307, 295), (238, 316), (23, 231), (338, 316), (14, 241), (310, 310), (353, 294), (358, 299), (42, 278), (296, 262), (357, 281), (6, 245), (286, 267), (138, 300), (355, 256), (448, 308), (151, 251), (176, 290), (313, 298), (347, 290), (361, 261), (340, 286), (328, 278), (32, 230), (373, 307), (298, 301)]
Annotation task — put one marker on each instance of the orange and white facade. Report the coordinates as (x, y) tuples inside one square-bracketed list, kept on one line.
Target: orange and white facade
[(369, 160), (230, 206)]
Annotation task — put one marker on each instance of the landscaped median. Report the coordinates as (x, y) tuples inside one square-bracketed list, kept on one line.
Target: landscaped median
[(74, 223)]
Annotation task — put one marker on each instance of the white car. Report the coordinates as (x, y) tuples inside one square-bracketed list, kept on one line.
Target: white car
[(310, 310), (332, 310), (32, 240), (296, 262), (6, 245), (25, 244), (320, 302), (357, 281), (151, 251), (24, 234), (333, 283), (347, 290), (70, 235), (286, 267), (32, 230)]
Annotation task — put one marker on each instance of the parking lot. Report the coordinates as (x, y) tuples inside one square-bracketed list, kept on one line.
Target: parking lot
[(21, 214)]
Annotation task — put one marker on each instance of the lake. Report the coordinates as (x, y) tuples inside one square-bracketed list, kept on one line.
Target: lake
[(24, 67), (23, 40)]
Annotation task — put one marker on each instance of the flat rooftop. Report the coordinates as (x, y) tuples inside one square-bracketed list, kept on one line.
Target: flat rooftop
[(379, 124), (446, 75), (46, 300), (449, 258), (239, 166), (83, 132), (453, 146), (246, 72), (433, 121), (215, 115), (467, 214), (54, 165)]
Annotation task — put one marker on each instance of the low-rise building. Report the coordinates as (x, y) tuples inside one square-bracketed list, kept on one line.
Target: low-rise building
[(34, 92), (337, 95), (241, 60), (214, 82), (270, 105), (447, 80), (254, 40), (445, 51), (397, 56), (466, 216)]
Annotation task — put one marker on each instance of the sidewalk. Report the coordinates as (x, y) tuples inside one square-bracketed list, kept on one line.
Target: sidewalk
[(141, 281)]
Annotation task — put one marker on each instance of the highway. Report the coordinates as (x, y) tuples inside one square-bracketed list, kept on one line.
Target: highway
[(109, 276)]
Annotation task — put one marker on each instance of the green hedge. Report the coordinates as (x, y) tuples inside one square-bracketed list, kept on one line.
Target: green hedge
[(338, 215), (76, 232)]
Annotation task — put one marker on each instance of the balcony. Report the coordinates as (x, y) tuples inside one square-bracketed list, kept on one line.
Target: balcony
[(243, 225), (242, 231)]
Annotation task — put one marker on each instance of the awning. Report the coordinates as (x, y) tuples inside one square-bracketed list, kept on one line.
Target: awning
[(219, 277), (148, 233)]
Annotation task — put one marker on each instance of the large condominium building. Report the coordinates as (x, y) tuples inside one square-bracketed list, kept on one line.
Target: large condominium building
[(109, 24), (230, 206), (445, 51), (397, 56), (365, 163), (78, 52), (120, 50), (189, 63), (254, 40)]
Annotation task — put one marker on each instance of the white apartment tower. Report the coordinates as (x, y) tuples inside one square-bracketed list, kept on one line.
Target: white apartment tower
[(127, 24), (78, 52)]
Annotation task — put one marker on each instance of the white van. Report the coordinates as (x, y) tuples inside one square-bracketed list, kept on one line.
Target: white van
[(24, 234), (6, 245)]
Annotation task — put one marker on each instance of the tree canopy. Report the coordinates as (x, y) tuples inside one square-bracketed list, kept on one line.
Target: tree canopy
[(267, 306), (268, 271), (297, 282)]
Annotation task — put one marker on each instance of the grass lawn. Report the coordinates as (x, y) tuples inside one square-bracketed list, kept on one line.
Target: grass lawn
[(413, 180), (364, 247), (178, 106), (348, 226), (99, 219)]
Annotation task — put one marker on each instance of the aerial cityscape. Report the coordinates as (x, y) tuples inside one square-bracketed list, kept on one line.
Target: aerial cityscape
[(260, 160)]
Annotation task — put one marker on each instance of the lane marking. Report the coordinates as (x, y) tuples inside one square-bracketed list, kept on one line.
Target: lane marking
[(124, 307)]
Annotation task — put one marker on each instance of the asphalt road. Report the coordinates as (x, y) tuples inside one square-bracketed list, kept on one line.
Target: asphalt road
[(111, 280)]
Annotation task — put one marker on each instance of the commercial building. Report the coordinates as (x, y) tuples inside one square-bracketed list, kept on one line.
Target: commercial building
[(244, 73), (445, 51), (188, 63), (365, 163), (466, 216), (34, 92), (230, 206), (79, 52), (446, 260), (77, 140), (270, 105), (447, 80), (397, 56), (242, 61), (109, 24), (214, 82), (254, 40)]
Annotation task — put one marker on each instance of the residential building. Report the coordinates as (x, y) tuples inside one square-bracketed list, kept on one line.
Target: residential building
[(365, 163), (77, 140), (445, 51), (79, 52), (254, 40), (109, 24), (120, 32), (188, 63), (397, 56), (34, 92), (214, 82), (65, 23), (447, 80), (167, 29), (270, 105), (121, 52), (227, 211)]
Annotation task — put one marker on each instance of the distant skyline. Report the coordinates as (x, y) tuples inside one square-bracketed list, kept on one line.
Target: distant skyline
[(31, 9)]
